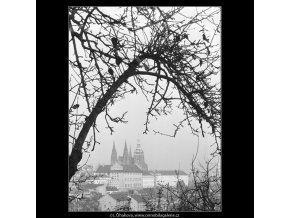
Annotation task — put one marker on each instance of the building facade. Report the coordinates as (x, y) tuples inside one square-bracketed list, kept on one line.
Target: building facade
[(169, 177), (111, 202), (123, 177), (114, 201), (137, 203), (102, 180), (147, 180)]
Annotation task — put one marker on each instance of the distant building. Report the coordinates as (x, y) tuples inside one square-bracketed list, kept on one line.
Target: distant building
[(123, 177), (170, 177), (137, 203), (128, 159), (103, 179), (111, 202), (129, 172), (147, 180), (111, 189)]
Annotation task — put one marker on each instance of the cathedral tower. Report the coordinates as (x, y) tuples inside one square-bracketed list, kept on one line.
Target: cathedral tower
[(139, 157), (126, 159), (114, 155)]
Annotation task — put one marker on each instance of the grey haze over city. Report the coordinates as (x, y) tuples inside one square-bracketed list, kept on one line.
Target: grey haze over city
[(161, 152)]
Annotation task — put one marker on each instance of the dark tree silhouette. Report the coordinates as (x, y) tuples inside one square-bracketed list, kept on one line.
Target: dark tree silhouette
[(203, 193), (125, 207), (178, 51), (86, 204)]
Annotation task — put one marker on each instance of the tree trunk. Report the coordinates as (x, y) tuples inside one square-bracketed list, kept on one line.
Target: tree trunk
[(76, 154)]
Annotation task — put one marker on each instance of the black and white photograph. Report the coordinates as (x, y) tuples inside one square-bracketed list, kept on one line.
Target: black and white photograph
[(145, 109)]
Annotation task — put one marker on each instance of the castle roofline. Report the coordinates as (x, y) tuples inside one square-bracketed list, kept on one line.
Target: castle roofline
[(170, 172), (131, 168)]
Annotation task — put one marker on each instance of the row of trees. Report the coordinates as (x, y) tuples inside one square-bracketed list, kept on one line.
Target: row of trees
[(203, 194), (85, 204)]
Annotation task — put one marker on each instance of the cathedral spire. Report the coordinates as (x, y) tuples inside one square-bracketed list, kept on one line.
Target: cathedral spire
[(113, 155), (125, 154)]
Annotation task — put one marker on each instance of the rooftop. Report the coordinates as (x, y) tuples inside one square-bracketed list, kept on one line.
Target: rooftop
[(170, 172), (132, 168), (138, 198), (90, 186), (104, 169), (111, 188), (120, 196), (146, 173)]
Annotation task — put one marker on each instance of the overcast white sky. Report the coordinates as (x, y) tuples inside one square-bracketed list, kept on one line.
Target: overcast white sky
[(161, 152)]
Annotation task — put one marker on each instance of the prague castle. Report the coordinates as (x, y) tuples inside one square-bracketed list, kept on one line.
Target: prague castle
[(131, 172), (128, 177), (127, 158)]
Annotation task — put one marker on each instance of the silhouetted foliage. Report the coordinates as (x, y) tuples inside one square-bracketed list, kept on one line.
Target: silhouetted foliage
[(181, 59), (125, 207), (89, 204)]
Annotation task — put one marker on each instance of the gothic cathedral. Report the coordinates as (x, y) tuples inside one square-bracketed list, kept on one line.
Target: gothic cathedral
[(127, 159)]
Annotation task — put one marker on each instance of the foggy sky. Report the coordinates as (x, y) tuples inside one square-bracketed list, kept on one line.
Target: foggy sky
[(161, 152)]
